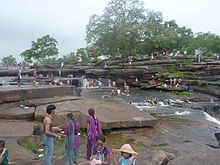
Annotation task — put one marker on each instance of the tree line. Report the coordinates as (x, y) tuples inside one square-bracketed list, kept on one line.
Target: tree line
[(126, 28)]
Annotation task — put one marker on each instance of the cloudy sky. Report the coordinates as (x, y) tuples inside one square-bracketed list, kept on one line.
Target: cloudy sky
[(23, 21)]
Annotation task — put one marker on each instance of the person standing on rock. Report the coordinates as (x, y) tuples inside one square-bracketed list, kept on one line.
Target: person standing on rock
[(19, 77), (73, 140), (93, 131), (50, 133)]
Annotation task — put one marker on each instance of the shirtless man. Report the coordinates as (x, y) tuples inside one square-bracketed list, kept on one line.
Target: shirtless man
[(50, 133)]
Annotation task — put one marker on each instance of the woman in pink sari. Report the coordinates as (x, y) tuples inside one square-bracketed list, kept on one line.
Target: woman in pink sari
[(93, 130)]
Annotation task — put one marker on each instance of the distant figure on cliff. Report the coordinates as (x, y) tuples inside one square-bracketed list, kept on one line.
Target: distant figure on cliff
[(50, 133), (130, 62), (34, 78), (19, 77), (93, 131), (60, 72)]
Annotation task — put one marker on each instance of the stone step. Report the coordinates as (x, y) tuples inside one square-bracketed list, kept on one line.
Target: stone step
[(14, 93)]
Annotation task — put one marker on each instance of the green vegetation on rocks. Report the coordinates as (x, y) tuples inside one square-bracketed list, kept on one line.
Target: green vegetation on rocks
[(182, 93)]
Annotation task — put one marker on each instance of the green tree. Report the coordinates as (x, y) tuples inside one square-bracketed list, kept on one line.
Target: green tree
[(82, 54), (117, 31), (42, 51), (9, 60), (158, 37), (208, 43), (71, 57)]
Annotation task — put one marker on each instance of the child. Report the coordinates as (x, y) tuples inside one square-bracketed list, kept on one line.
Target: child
[(3, 153), (100, 153), (126, 155)]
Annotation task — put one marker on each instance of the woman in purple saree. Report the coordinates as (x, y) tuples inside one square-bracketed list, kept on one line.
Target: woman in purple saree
[(93, 130)]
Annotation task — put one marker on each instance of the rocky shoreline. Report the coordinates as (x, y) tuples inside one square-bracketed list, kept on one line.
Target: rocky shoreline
[(168, 141)]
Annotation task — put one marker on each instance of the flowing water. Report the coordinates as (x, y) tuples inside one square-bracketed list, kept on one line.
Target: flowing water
[(167, 106)]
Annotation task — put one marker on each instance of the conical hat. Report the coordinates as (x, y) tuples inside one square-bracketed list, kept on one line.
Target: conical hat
[(126, 148)]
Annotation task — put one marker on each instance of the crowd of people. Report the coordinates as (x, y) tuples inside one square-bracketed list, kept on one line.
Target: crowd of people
[(97, 153)]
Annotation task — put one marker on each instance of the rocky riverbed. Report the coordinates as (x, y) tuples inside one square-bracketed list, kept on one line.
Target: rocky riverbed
[(172, 140)]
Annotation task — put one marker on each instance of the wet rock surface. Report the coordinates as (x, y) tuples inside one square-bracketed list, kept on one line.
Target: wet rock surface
[(171, 141), (113, 113)]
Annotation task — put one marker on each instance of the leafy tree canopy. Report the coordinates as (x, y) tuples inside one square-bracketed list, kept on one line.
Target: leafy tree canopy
[(117, 31), (41, 51), (9, 60)]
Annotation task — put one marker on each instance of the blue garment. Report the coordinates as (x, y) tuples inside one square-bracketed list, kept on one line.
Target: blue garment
[(49, 141), (124, 161)]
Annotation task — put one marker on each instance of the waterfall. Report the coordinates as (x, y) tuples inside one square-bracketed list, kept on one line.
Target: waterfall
[(210, 118)]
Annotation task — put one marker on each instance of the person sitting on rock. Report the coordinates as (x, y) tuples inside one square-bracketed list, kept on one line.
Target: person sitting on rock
[(154, 101), (105, 95), (147, 99), (126, 88)]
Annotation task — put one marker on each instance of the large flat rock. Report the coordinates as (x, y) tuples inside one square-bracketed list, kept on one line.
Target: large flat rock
[(113, 113), (16, 128), (197, 159), (16, 111), (14, 94)]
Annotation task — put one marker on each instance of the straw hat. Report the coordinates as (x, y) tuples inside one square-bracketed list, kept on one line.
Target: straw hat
[(127, 148)]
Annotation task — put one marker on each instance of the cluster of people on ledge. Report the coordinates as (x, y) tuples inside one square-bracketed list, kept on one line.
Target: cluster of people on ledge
[(173, 82), (97, 152), (116, 91)]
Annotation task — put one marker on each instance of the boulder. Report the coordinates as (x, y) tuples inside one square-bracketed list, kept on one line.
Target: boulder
[(16, 111), (16, 128), (197, 159), (160, 157), (17, 153)]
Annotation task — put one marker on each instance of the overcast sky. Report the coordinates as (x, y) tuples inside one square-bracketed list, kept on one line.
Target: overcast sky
[(23, 21)]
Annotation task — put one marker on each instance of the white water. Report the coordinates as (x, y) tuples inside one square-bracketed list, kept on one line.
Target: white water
[(210, 118), (162, 104), (182, 113)]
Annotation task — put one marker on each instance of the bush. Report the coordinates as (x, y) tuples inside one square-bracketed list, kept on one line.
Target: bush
[(202, 83)]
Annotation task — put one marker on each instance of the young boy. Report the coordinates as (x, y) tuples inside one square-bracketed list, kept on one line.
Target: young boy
[(3, 153), (100, 153)]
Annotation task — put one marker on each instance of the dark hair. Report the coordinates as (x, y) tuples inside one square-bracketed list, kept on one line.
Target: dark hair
[(101, 138), (2, 143), (50, 108), (91, 112), (130, 155), (70, 115)]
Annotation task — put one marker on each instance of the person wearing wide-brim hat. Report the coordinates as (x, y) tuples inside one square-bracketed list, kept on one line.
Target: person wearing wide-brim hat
[(128, 155)]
